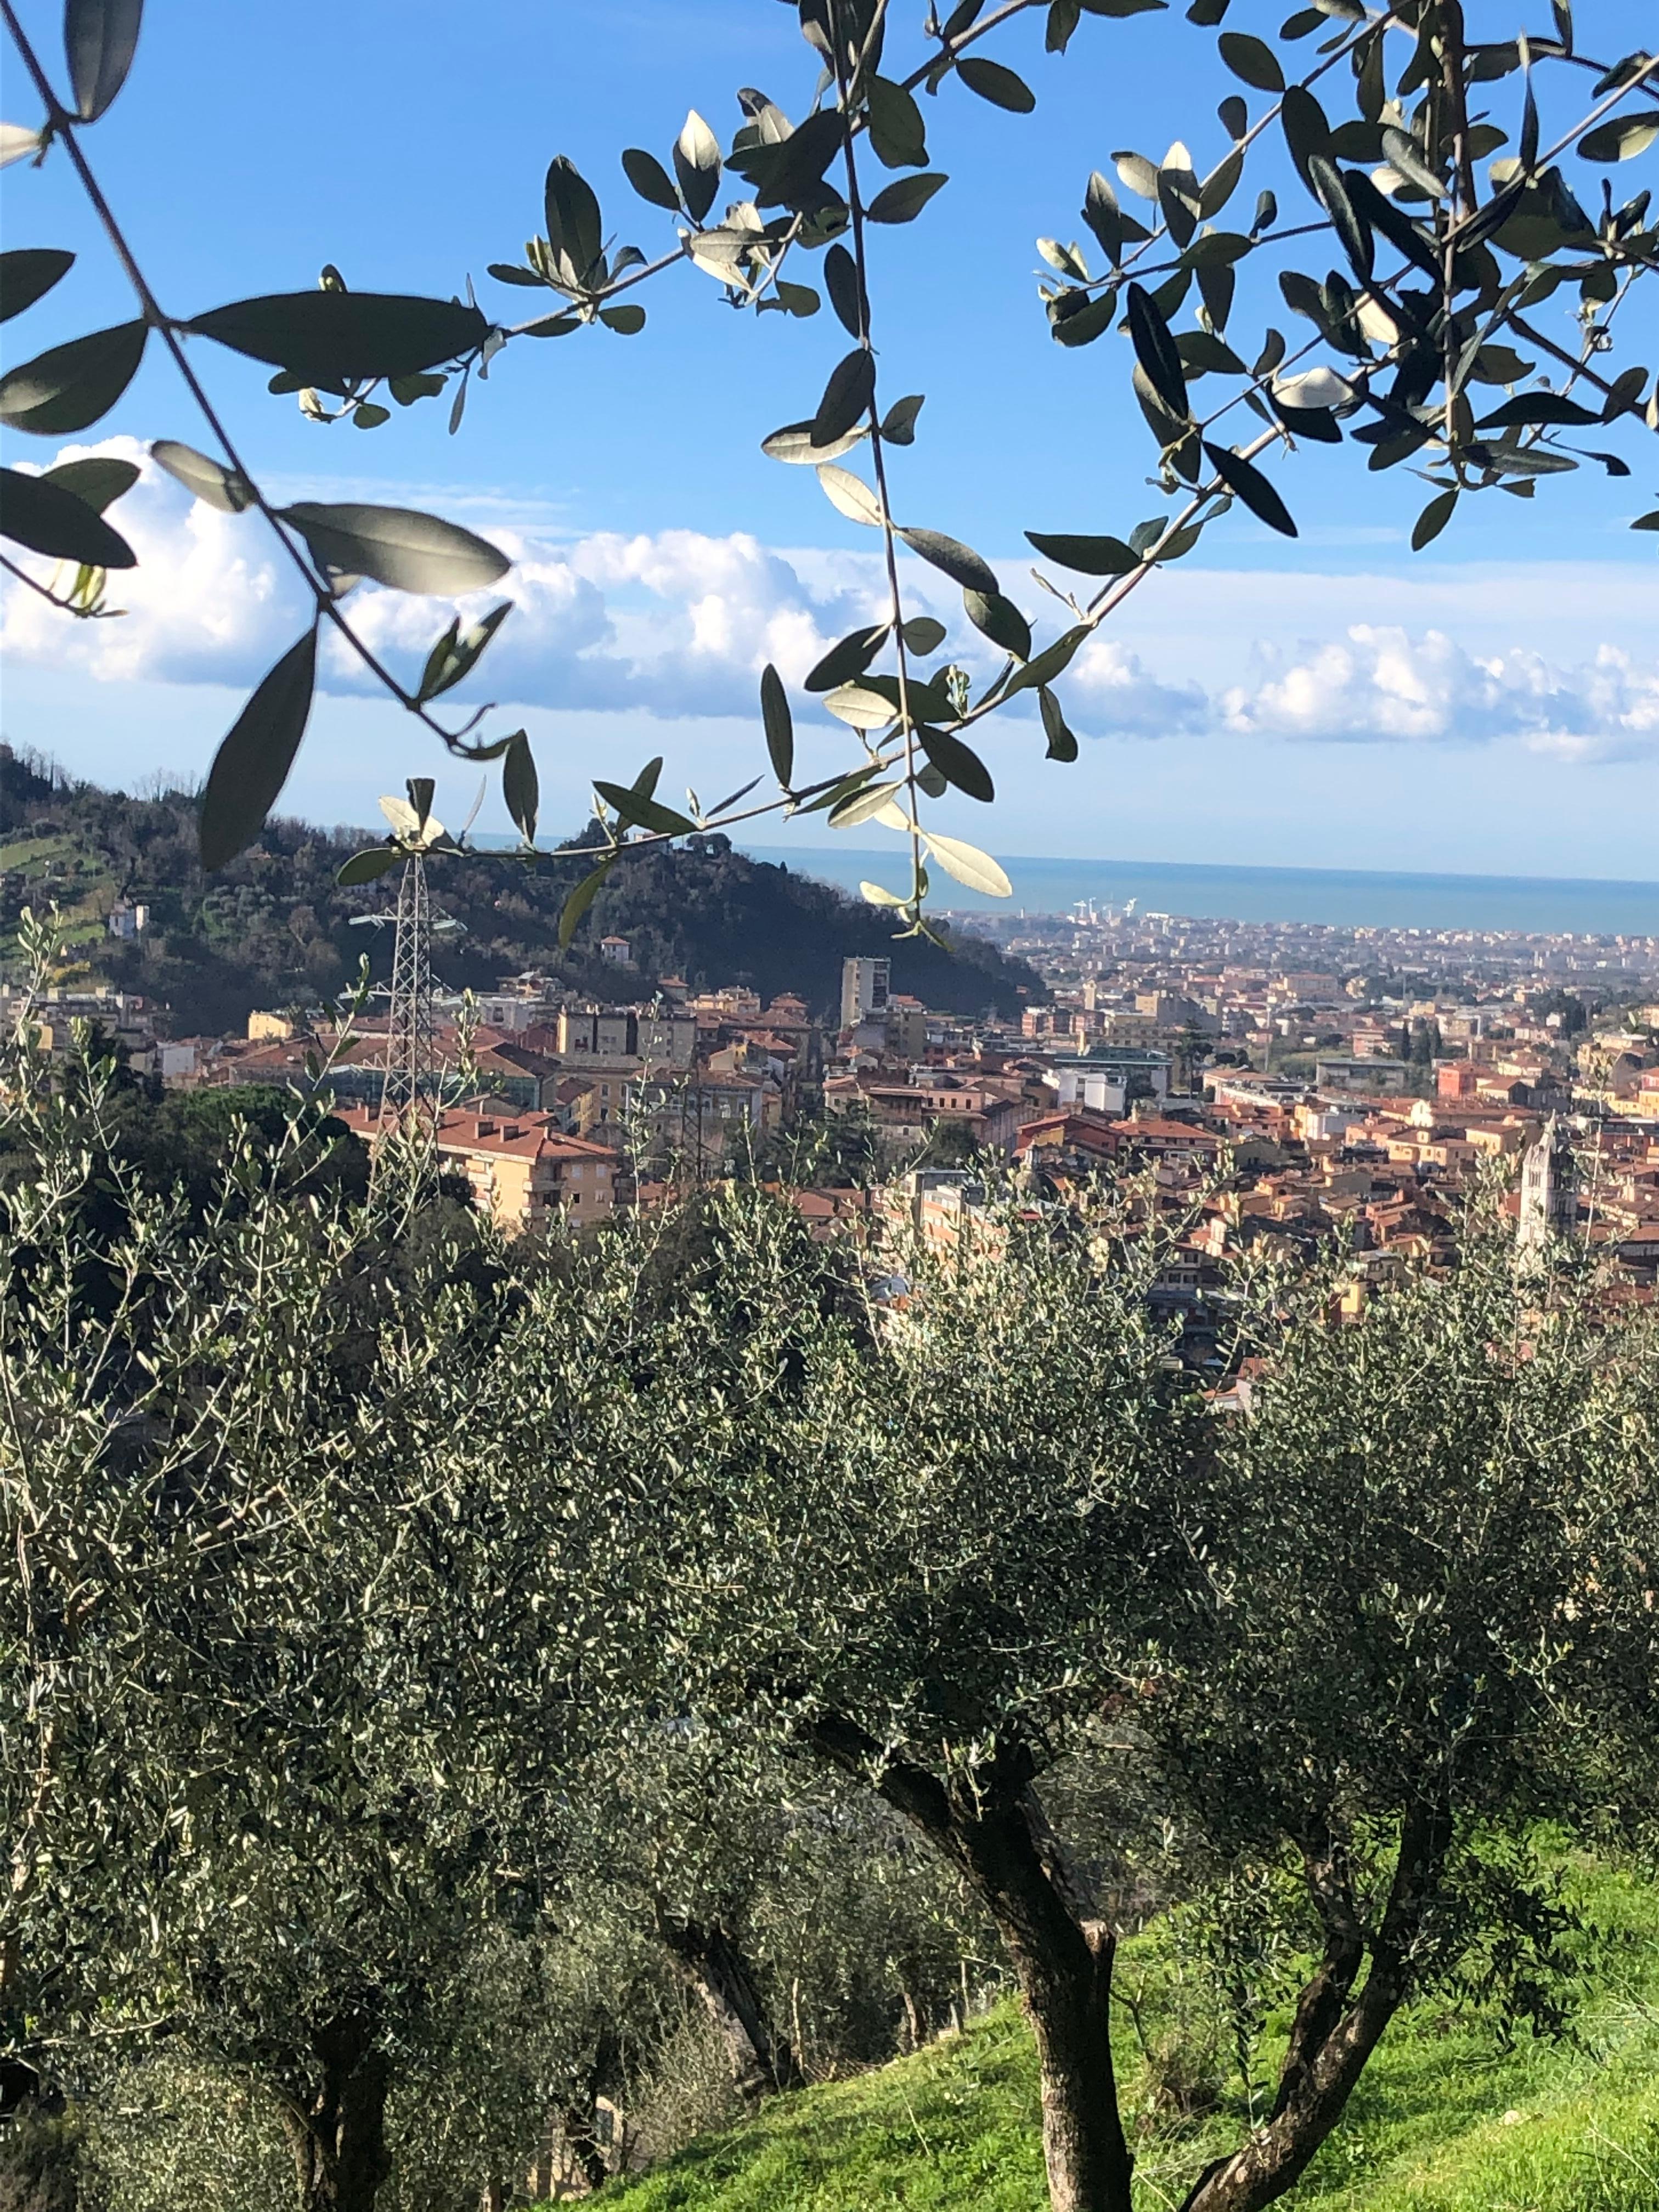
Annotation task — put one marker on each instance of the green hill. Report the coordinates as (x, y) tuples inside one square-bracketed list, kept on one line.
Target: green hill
[(274, 928), (1447, 2117)]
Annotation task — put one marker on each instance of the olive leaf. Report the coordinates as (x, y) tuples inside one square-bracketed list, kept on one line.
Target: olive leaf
[(897, 130), (394, 546), (1156, 352), (571, 212), (251, 764), (958, 561), (1246, 481), (1251, 60), (332, 339), (99, 479), (1529, 407), (1620, 139), (1349, 226), (923, 633), (69, 387), (999, 85), (841, 281), (1062, 745), (697, 164), (650, 179), (1434, 520), (850, 495), (1051, 661), (100, 39), (898, 425), (846, 398), (578, 901), (636, 808), (903, 200), (211, 482), (959, 765), (520, 787), (1000, 620), (458, 653), (861, 803), (52, 518), (847, 659), (28, 273), (793, 443), (969, 865), (1090, 556), (367, 866), (778, 724)]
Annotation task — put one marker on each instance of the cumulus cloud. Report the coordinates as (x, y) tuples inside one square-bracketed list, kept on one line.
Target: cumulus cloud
[(1114, 696), (678, 624), (1379, 683)]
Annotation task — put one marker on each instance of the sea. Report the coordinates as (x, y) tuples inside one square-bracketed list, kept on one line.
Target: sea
[(1349, 897)]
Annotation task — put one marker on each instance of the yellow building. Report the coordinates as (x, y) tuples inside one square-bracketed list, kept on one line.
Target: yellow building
[(523, 1170)]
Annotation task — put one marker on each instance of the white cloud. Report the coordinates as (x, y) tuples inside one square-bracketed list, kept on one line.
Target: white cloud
[(1381, 683), (1114, 696), (678, 624)]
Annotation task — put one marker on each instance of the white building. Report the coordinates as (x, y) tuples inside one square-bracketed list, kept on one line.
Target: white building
[(864, 988)]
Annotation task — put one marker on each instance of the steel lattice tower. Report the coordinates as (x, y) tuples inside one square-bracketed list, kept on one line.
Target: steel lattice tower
[(410, 1029)]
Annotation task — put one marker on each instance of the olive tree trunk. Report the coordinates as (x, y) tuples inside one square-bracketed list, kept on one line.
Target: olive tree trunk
[(995, 1834), (1337, 2026), (760, 2059), (335, 2125)]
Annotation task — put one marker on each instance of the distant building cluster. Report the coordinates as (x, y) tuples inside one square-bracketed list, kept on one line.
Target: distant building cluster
[(1278, 1084)]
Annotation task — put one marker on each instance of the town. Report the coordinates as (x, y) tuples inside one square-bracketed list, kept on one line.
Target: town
[(1279, 1085)]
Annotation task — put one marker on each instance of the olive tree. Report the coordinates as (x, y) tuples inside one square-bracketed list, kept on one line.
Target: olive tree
[(281, 1740), (1365, 1636), (1373, 118)]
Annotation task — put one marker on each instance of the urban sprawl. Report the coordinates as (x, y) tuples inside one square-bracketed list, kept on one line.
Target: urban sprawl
[(1286, 1082)]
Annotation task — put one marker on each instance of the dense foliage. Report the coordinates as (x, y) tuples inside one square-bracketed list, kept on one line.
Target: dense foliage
[(429, 1655)]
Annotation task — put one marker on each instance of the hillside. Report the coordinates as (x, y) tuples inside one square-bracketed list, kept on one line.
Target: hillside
[(274, 929), (1446, 2119)]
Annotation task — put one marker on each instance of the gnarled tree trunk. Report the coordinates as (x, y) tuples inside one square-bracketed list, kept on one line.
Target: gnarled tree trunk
[(760, 2059), (336, 2126), (997, 1836), (1335, 2030)]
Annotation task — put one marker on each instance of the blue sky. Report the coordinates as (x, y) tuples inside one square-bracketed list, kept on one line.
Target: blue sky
[(1337, 701)]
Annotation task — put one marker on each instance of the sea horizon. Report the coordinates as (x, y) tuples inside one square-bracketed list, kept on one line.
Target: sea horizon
[(1584, 906)]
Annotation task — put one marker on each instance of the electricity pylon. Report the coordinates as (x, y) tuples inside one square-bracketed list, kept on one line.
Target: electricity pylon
[(409, 1055)]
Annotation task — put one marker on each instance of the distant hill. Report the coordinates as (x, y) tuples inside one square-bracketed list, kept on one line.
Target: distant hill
[(274, 928)]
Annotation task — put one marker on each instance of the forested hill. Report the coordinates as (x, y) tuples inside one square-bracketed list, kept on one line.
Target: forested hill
[(274, 928)]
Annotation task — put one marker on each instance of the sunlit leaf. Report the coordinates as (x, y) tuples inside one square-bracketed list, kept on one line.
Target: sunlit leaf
[(71, 386), (850, 495), (394, 546), (210, 482), (969, 865)]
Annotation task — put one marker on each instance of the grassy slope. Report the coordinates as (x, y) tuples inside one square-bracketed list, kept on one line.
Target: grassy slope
[(1444, 2121)]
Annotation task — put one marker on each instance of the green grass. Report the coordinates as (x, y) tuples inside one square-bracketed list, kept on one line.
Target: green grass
[(1445, 2120)]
